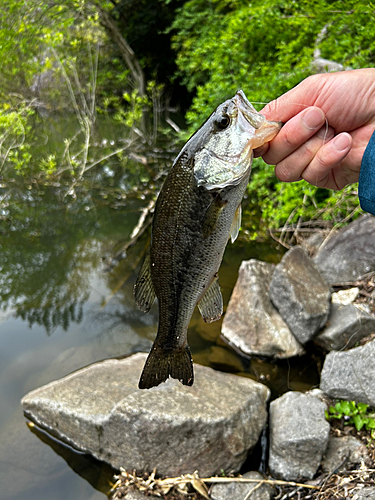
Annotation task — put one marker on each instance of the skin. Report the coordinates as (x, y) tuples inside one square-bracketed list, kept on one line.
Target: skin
[(329, 119)]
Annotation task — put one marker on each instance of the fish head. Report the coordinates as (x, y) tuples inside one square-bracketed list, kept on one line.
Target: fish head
[(222, 147)]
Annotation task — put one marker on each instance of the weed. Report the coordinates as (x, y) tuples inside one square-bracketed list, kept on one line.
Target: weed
[(353, 413)]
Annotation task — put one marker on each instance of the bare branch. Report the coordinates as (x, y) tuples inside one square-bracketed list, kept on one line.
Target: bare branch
[(127, 52)]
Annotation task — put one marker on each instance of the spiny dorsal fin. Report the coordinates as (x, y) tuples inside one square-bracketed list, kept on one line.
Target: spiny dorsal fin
[(211, 304), (144, 292), (236, 224)]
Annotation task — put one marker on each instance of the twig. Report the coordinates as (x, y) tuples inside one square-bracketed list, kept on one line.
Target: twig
[(126, 480)]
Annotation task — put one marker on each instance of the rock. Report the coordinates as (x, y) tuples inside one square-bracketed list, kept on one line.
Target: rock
[(320, 65), (345, 327), (345, 297), (177, 429), (313, 242), (251, 323), (300, 294), (366, 493), (299, 435), (238, 491), (349, 253), (350, 374), (342, 453)]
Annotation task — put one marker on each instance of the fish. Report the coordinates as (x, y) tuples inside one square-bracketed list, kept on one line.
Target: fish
[(197, 211)]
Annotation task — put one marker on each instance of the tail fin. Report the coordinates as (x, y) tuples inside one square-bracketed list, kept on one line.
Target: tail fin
[(162, 364)]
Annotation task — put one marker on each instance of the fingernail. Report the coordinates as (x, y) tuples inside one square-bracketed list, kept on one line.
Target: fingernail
[(341, 142), (313, 118)]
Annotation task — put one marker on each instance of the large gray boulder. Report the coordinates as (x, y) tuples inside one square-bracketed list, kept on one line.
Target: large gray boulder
[(299, 435), (239, 491), (251, 323), (347, 324), (177, 429), (300, 294), (349, 253), (350, 374)]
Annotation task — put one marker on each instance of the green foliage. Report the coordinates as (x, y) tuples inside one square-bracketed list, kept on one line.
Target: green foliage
[(266, 47), (14, 149), (353, 413), (274, 203)]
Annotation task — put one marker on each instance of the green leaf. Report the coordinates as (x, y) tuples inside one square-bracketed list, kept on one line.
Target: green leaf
[(358, 422), (345, 407), (362, 407)]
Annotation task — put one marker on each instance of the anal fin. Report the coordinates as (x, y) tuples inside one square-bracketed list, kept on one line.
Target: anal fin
[(144, 292), (236, 224), (211, 304), (162, 364)]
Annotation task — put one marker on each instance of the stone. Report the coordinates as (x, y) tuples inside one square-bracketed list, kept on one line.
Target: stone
[(251, 324), (347, 324), (350, 374), (313, 242), (366, 493), (320, 65), (239, 491), (300, 294), (345, 297), (343, 453), (177, 429), (299, 434), (349, 253)]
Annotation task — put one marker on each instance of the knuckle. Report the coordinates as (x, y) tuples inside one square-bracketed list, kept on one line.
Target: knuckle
[(285, 173)]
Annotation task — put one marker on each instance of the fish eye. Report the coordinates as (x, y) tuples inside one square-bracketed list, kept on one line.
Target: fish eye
[(223, 122)]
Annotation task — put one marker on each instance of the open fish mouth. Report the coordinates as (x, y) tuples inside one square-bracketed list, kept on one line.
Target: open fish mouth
[(247, 109)]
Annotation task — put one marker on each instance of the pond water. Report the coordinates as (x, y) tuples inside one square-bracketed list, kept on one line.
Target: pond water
[(65, 303)]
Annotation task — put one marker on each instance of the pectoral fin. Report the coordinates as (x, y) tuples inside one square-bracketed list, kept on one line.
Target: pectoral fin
[(144, 292), (211, 304), (236, 224)]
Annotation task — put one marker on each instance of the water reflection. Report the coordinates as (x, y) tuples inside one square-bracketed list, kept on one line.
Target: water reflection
[(65, 303), (49, 248), (97, 473)]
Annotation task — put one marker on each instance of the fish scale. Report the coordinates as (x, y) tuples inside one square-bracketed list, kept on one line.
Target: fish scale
[(197, 211)]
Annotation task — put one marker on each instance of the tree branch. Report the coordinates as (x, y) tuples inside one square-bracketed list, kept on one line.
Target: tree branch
[(127, 53)]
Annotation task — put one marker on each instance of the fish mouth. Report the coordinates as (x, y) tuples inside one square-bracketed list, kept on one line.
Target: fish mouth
[(247, 109), (265, 130), (255, 118)]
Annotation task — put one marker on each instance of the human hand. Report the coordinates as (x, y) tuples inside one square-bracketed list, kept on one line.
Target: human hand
[(324, 142)]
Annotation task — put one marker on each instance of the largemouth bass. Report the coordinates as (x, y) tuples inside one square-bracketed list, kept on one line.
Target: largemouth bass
[(197, 211)]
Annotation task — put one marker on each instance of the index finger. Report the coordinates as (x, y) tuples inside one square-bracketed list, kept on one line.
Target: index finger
[(294, 133)]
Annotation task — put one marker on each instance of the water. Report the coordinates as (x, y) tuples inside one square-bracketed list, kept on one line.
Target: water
[(65, 304)]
